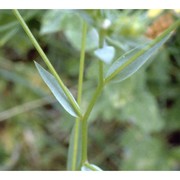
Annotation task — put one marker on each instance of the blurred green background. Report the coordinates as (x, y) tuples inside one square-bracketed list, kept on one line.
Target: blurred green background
[(135, 124)]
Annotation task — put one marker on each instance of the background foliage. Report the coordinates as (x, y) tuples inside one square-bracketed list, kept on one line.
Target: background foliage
[(134, 125)]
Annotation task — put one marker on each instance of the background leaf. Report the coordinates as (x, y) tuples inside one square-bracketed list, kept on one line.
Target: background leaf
[(55, 88), (142, 112), (51, 21), (142, 151), (70, 23)]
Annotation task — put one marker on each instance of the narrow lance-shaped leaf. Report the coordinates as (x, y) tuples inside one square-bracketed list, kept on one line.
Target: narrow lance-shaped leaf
[(128, 64), (56, 89), (133, 60)]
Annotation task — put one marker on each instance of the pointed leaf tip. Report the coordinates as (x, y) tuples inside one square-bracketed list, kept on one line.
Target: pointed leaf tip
[(56, 89)]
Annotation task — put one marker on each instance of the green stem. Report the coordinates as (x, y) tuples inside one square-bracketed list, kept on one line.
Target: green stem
[(75, 148), (84, 123), (46, 60), (80, 83), (81, 65), (84, 142), (158, 39), (101, 71), (91, 104), (93, 101)]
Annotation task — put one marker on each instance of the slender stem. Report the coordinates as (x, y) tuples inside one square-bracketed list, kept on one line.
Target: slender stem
[(81, 65), (80, 83), (84, 142), (75, 148), (101, 71), (101, 76), (46, 60), (91, 104), (84, 123)]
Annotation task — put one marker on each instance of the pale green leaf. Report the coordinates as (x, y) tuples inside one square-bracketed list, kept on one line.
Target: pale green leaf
[(130, 62), (70, 22), (105, 54), (142, 151), (56, 89), (51, 21)]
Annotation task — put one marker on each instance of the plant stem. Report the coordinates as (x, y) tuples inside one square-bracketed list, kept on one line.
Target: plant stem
[(101, 76), (81, 65), (80, 83), (46, 60), (75, 148), (101, 71), (84, 142), (84, 123), (101, 80), (91, 104)]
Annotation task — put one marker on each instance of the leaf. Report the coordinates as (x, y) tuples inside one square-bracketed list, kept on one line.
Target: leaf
[(74, 164), (142, 111), (142, 151), (51, 21), (70, 22), (130, 62), (90, 167), (105, 54), (72, 26), (56, 89)]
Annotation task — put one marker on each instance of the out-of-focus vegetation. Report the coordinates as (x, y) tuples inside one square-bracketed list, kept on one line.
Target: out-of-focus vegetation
[(135, 124)]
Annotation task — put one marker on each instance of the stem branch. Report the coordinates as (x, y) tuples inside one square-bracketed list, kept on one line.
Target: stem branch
[(84, 122), (91, 104)]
